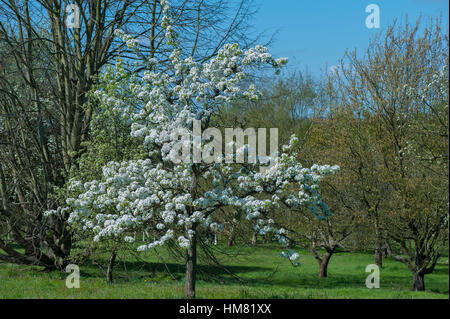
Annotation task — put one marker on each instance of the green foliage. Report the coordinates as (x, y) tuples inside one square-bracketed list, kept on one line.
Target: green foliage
[(110, 138)]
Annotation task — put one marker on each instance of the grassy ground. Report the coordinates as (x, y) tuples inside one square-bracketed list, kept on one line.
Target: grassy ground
[(264, 275)]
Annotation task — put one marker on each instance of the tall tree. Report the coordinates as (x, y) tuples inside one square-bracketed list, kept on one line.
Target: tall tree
[(399, 92), (52, 53)]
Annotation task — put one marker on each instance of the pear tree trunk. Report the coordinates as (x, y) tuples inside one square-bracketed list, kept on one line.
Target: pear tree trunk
[(191, 269), (323, 265), (109, 272)]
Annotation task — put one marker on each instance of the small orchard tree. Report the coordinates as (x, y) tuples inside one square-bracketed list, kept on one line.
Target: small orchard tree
[(323, 236), (166, 192)]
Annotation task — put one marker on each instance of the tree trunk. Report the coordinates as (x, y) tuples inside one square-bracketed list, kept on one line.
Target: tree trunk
[(323, 265), (385, 252), (378, 253), (254, 238), (109, 272), (291, 243), (232, 237), (378, 244), (419, 281), (191, 269)]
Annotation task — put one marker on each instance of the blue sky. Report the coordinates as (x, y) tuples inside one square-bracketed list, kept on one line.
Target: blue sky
[(313, 32)]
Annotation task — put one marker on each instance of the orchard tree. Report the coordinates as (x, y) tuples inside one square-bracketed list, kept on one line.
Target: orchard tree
[(164, 192), (328, 141), (399, 96)]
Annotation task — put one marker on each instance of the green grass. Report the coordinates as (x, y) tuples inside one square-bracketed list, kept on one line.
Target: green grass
[(264, 275)]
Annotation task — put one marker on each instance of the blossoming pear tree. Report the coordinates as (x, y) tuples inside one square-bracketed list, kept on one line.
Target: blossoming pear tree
[(168, 194)]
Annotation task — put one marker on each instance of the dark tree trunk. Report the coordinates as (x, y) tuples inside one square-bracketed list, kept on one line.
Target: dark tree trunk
[(191, 269), (191, 251), (323, 265), (109, 272), (378, 244), (419, 281), (291, 243), (230, 241), (378, 254), (385, 253)]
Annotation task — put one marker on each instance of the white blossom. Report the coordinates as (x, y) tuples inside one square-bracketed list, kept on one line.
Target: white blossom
[(157, 194)]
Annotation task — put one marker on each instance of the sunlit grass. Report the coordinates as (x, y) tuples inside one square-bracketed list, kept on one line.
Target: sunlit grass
[(262, 273)]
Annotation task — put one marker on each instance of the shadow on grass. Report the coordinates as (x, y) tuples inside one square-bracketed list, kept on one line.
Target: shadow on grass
[(158, 272), (138, 271)]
